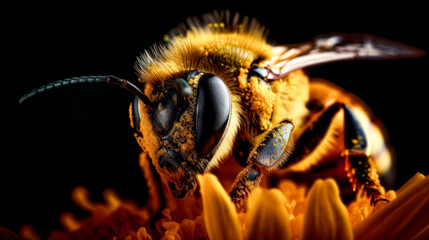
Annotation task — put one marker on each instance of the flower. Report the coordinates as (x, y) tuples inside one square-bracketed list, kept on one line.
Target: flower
[(289, 211), (320, 215), (219, 212), (326, 217), (406, 217)]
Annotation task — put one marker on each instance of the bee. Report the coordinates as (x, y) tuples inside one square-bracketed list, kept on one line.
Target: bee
[(217, 93)]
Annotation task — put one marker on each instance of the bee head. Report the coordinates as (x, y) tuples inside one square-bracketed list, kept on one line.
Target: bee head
[(184, 127)]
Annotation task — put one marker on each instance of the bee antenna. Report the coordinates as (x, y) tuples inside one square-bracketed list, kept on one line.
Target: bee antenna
[(87, 81)]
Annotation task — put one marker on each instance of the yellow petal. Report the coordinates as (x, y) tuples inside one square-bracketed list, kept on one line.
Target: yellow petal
[(219, 212), (415, 179), (326, 216), (267, 216), (403, 218)]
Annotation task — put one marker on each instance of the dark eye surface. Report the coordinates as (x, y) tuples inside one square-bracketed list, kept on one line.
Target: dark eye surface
[(260, 72), (136, 114), (212, 112), (163, 115)]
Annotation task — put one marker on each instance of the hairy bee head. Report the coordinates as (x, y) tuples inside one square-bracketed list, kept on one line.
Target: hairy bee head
[(193, 84)]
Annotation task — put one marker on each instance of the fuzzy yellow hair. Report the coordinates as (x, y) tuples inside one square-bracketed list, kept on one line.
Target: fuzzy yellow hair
[(216, 44)]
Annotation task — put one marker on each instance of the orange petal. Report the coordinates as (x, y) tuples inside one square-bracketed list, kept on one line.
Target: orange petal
[(267, 216), (80, 196), (326, 216), (69, 221), (171, 231), (403, 218), (296, 226), (219, 212), (143, 235), (423, 234), (112, 198), (28, 232)]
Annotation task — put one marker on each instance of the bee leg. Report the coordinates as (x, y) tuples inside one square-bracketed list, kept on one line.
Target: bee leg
[(360, 168), (249, 178), (267, 155)]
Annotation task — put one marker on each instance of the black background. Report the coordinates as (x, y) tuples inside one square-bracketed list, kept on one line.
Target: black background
[(83, 138)]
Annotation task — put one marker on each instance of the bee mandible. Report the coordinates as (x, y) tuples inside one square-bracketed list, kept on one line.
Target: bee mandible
[(217, 90)]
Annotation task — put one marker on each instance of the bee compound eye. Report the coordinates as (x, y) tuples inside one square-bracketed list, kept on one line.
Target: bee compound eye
[(136, 114), (163, 115), (213, 109), (259, 72)]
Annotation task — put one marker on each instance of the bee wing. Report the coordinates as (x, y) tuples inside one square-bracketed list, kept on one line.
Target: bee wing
[(335, 47)]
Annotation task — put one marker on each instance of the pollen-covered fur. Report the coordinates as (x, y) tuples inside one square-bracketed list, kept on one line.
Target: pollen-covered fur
[(218, 44)]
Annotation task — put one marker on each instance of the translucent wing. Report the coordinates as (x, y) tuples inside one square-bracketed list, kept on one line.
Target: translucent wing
[(335, 47)]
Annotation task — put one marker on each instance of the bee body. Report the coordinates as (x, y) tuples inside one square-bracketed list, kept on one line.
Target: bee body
[(217, 90)]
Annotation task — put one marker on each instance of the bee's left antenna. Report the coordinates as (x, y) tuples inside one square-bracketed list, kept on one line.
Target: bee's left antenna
[(86, 81)]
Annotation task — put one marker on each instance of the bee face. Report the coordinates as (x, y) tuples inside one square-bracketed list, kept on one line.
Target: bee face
[(182, 132)]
